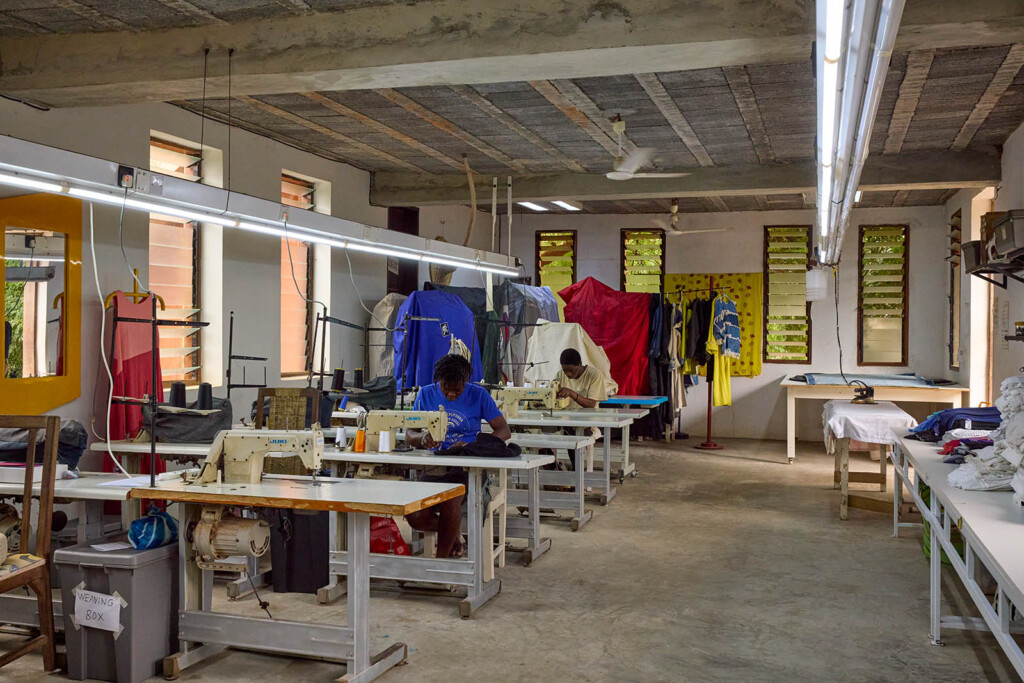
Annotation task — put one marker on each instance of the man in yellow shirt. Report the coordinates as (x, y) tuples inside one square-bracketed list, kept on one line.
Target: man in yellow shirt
[(582, 383)]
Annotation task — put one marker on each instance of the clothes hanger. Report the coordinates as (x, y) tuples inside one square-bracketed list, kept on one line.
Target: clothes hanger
[(135, 294)]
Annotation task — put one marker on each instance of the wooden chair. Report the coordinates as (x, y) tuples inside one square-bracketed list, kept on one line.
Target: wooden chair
[(33, 571), (288, 409)]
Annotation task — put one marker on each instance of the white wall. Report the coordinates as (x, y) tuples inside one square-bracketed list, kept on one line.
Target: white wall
[(1008, 357), (759, 407), (250, 281)]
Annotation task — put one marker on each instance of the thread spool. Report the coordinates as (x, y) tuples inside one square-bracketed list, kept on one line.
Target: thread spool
[(338, 382), (357, 380), (384, 444), (360, 444), (177, 394), (205, 396)]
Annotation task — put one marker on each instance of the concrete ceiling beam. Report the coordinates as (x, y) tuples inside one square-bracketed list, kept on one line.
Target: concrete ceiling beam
[(447, 42), (938, 170)]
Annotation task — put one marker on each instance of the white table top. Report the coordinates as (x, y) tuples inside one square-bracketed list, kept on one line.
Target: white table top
[(632, 413), (562, 419), (530, 440), (86, 487), (868, 423), (990, 517), (789, 382), (526, 461), (375, 496)]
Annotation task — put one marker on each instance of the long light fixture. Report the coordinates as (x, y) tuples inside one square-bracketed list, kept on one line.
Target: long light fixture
[(532, 207), (568, 206), (105, 194), (855, 39)]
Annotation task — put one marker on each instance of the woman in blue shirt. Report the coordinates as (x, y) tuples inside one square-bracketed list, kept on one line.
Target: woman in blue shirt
[(466, 405)]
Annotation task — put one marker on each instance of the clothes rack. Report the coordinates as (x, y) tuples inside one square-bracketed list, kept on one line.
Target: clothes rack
[(155, 378), (232, 356), (707, 444)]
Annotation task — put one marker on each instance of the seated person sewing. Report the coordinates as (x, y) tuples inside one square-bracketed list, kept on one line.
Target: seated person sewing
[(466, 404), (584, 384)]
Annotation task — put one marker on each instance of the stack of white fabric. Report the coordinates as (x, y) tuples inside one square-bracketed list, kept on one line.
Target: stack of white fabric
[(998, 467)]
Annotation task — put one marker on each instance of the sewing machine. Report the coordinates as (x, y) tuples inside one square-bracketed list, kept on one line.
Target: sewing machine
[(236, 455), (544, 398), (433, 421)]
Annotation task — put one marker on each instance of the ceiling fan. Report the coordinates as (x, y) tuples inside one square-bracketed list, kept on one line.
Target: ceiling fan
[(669, 224), (628, 167)]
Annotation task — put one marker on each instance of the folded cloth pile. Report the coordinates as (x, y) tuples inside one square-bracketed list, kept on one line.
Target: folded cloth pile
[(972, 419), (995, 467)]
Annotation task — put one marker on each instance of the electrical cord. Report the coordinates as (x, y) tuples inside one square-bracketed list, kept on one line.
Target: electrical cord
[(264, 605), (839, 341), (103, 334), (124, 255), (359, 297), (291, 265)]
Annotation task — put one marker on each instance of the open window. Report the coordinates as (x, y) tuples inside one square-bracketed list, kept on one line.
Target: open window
[(787, 313), (643, 261), (882, 295)]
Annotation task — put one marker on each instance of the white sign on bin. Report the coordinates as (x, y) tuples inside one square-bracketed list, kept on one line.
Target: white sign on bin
[(98, 610)]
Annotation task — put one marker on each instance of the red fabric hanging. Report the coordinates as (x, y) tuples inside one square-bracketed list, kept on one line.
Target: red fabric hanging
[(618, 322), (132, 369)]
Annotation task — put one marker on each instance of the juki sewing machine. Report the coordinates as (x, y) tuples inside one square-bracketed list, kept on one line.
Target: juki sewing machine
[(543, 398), (236, 457), (435, 422)]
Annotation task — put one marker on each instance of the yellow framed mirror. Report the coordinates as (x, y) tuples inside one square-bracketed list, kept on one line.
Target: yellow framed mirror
[(41, 268)]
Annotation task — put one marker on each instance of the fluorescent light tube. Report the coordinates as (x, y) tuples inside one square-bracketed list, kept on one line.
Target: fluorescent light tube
[(566, 205), (29, 183), (532, 206), (370, 249), (833, 29), (446, 262), (508, 272), (830, 93), (857, 195)]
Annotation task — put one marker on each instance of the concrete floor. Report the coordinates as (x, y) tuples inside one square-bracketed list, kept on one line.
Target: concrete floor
[(708, 567)]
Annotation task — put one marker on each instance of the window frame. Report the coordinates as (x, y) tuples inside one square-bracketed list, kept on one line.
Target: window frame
[(764, 303), (194, 359), (622, 255), (904, 351), (539, 235)]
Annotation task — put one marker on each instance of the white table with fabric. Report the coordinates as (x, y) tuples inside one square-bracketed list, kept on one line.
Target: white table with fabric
[(990, 526), (869, 423), (951, 394)]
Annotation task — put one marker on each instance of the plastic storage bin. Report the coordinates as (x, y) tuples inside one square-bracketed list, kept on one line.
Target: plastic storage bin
[(147, 580)]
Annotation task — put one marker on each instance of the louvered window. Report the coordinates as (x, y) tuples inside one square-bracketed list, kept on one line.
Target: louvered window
[(556, 259), (882, 296), (297, 192), (787, 321), (174, 267), (643, 260)]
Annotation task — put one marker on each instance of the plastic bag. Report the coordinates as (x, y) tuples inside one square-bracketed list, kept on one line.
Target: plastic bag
[(386, 538), (156, 529)]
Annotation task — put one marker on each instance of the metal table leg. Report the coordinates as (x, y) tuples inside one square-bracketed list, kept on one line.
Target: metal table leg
[(935, 566), (537, 545), (479, 592), (582, 514), (608, 492), (335, 587)]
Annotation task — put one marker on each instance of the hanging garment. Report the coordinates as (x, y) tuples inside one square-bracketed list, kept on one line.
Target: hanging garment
[(426, 341), (746, 290), (521, 305), (492, 347), (720, 372), (551, 338), (475, 299), (132, 365), (381, 352), (725, 327), (618, 322), (677, 390)]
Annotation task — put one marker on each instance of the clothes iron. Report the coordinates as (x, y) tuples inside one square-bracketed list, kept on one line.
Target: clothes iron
[(863, 395)]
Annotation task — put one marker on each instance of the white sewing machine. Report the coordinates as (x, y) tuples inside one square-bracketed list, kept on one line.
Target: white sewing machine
[(435, 422), (236, 455), (543, 398)]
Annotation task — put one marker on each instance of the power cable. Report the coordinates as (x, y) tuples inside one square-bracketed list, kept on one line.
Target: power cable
[(839, 340)]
